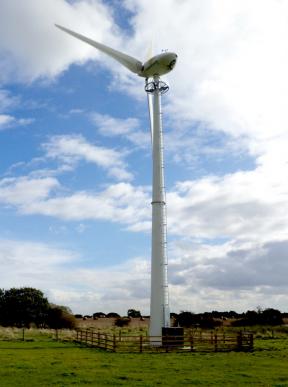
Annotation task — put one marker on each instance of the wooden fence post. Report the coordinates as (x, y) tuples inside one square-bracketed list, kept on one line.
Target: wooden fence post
[(141, 343), (167, 343), (23, 334), (251, 344), (191, 342), (114, 343), (215, 342), (239, 341)]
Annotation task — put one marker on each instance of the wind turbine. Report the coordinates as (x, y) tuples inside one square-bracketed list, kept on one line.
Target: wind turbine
[(151, 70)]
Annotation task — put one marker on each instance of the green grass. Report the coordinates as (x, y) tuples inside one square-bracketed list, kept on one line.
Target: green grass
[(51, 363)]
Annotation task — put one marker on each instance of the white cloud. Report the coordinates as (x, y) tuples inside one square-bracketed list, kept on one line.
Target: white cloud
[(110, 126), (237, 279), (128, 128), (73, 148), (26, 263), (5, 121), (58, 272), (121, 203), (228, 276), (6, 100), (249, 204), (23, 190), (31, 45)]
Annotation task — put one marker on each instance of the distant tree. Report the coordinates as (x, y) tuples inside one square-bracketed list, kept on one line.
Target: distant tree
[(23, 306), (1, 304), (133, 313), (112, 314), (65, 309), (231, 314), (208, 322), (268, 316), (98, 315), (78, 315), (272, 316), (59, 318), (186, 319)]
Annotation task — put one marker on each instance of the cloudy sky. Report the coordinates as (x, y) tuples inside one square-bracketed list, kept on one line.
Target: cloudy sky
[(75, 157)]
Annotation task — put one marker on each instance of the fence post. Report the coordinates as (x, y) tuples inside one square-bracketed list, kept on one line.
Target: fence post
[(141, 343), (105, 336), (56, 334), (92, 333), (191, 342), (239, 341), (251, 344), (166, 342), (23, 334), (215, 342), (114, 342)]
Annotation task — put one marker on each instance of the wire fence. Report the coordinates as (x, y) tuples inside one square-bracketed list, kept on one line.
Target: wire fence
[(199, 341)]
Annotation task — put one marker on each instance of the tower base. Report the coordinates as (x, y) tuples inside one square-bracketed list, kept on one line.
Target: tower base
[(173, 337)]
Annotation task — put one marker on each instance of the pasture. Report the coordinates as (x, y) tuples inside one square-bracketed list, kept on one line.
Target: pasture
[(42, 361)]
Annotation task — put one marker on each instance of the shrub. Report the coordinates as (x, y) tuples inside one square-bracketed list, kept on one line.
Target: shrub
[(122, 322), (57, 318)]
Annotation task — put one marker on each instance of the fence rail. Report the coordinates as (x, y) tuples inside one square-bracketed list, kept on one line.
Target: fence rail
[(190, 342)]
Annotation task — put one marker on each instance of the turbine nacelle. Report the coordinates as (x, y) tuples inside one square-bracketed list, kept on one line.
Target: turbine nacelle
[(159, 65)]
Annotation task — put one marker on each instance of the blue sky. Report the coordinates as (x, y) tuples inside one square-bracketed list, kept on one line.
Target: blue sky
[(75, 157)]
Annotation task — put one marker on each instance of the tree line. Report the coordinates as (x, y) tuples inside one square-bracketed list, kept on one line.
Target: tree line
[(215, 319), (24, 307), (207, 320)]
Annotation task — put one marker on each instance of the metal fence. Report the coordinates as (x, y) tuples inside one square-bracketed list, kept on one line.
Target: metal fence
[(199, 341)]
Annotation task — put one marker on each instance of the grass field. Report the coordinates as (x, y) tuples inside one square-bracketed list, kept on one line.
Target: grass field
[(51, 363)]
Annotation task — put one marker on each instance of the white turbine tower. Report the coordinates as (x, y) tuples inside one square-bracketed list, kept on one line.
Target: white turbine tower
[(151, 70)]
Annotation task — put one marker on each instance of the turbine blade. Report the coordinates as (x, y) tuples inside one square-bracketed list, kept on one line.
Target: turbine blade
[(150, 108), (150, 50), (128, 61)]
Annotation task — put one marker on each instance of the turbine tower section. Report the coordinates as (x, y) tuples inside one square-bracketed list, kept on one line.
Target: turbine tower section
[(159, 301), (153, 68)]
